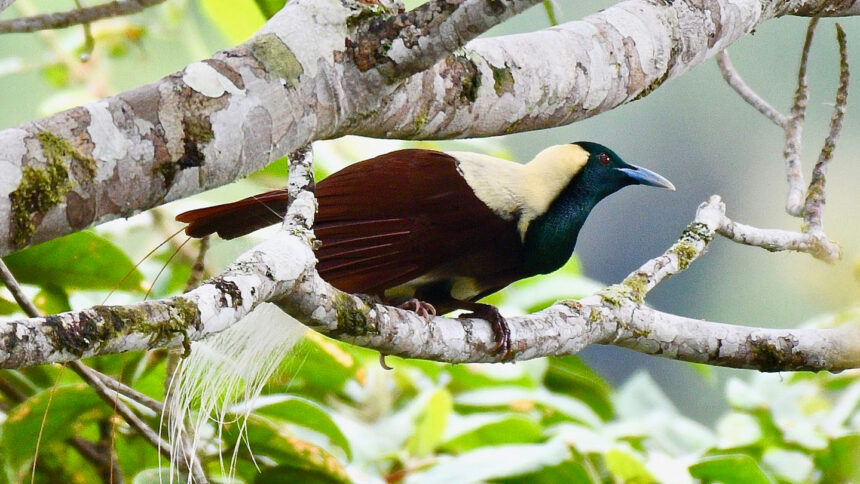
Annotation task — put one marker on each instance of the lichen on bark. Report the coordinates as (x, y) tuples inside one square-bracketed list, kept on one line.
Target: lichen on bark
[(42, 188)]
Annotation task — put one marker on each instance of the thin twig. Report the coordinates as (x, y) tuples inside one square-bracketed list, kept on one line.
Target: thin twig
[(108, 467), (794, 131), (130, 392), (198, 269), (59, 20), (737, 83), (5, 3), (812, 210), (89, 376)]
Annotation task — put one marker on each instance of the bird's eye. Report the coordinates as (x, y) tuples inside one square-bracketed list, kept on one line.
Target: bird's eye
[(603, 158)]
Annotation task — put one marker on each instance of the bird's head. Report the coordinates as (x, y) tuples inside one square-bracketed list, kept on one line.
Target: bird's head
[(564, 183), (605, 172)]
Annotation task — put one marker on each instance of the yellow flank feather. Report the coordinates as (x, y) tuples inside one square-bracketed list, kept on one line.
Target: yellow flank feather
[(521, 192)]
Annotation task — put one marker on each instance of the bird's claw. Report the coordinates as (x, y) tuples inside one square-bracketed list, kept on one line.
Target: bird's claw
[(419, 307), (382, 362), (501, 330)]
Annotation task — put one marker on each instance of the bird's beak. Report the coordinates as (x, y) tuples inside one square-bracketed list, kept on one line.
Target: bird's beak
[(646, 177)]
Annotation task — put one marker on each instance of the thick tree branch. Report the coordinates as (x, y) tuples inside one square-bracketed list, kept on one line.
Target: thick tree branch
[(407, 42), (224, 117), (59, 20)]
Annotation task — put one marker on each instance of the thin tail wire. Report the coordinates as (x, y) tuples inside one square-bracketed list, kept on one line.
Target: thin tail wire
[(141, 261)]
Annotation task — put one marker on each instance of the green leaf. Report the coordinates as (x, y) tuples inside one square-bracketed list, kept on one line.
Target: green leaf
[(323, 366), (730, 469), (430, 424), (571, 376), (474, 376), (77, 261), (494, 462), (270, 7), (236, 19), (738, 429), (273, 174), (267, 438), (496, 430), (57, 75), (302, 412), (289, 474), (21, 430), (52, 299), (8, 307), (522, 399), (550, 7), (839, 462), (625, 467), (570, 472), (791, 465), (157, 475)]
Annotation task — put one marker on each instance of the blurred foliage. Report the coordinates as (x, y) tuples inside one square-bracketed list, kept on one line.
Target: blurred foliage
[(333, 415)]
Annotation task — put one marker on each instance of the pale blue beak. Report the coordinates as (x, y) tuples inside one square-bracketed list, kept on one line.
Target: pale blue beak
[(643, 176)]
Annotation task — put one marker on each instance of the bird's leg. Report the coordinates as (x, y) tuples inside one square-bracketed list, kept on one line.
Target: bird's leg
[(421, 308), (501, 330)]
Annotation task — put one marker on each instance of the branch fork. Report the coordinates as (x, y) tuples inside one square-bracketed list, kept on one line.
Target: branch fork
[(803, 202)]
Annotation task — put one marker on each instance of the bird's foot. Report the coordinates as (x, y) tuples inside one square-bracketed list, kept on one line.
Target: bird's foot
[(501, 330), (421, 308)]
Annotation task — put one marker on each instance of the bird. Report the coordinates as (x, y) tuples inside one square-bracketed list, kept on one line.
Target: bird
[(437, 231)]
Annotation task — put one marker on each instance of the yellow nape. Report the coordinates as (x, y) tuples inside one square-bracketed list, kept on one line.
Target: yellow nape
[(521, 192), (546, 176)]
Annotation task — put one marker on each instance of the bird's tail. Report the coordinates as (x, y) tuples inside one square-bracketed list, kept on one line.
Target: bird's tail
[(219, 381), (235, 219)]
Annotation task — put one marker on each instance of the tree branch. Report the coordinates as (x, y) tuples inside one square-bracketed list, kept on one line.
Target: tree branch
[(812, 209), (794, 131), (812, 238), (224, 117), (5, 3), (84, 15), (727, 69)]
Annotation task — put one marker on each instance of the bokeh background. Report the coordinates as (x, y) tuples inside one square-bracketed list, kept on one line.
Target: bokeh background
[(694, 130)]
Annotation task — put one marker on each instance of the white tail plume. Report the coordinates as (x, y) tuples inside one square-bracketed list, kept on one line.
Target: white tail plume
[(220, 372)]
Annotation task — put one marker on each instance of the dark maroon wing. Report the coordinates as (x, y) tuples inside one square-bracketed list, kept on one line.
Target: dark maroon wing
[(390, 219)]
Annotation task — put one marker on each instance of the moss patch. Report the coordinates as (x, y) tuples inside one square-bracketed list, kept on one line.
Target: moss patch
[(776, 355), (366, 12), (352, 319), (277, 59), (654, 85), (465, 73), (503, 80), (686, 252), (60, 149), (633, 288), (638, 285), (42, 188)]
